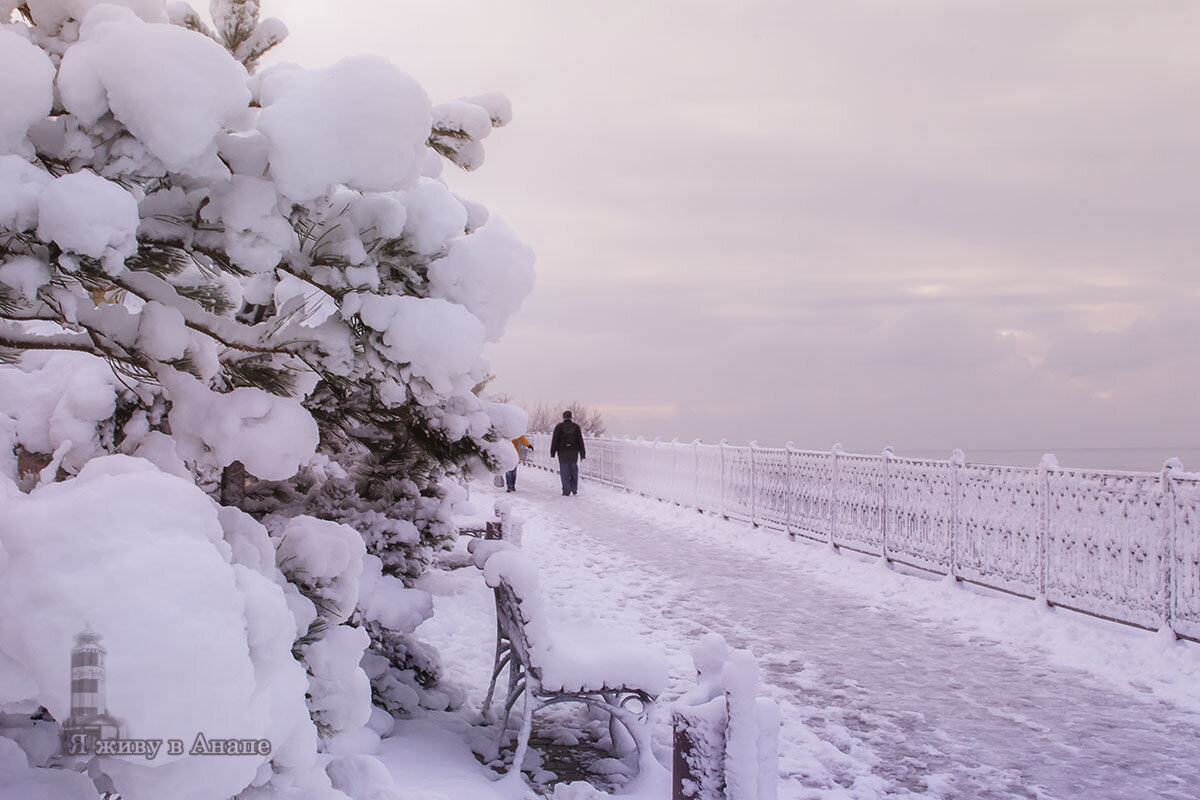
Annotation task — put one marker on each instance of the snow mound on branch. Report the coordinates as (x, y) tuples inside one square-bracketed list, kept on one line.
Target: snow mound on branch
[(86, 214), (53, 14), (174, 89), (387, 600), (464, 118), (370, 133), (440, 340), (490, 272), (161, 331), (328, 557), (434, 216), (27, 91), (194, 642), (496, 104), (21, 183), (509, 421), (56, 398), (256, 234), (25, 274), (272, 436)]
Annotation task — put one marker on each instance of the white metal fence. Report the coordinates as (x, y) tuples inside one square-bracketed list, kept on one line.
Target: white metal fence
[(1119, 545)]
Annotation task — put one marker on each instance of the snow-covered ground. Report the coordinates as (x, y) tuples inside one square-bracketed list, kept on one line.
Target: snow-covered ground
[(890, 685)]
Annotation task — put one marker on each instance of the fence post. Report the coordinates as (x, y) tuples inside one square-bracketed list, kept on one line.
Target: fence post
[(887, 455), (655, 471), (958, 460), (753, 484), (1170, 572), (791, 492), (722, 445), (696, 474), (1048, 464), (836, 450), (674, 472)]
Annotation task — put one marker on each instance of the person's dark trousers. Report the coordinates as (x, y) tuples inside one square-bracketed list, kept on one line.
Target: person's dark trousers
[(510, 479), (568, 473)]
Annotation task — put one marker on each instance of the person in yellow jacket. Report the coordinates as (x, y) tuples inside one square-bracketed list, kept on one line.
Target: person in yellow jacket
[(523, 446)]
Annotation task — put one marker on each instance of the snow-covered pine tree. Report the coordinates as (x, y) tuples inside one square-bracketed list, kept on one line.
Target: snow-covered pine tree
[(277, 276)]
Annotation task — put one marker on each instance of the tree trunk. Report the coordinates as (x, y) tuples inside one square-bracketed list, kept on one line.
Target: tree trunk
[(233, 485)]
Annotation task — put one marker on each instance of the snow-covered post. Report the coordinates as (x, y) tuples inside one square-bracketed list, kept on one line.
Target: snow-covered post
[(837, 450), (696, 474), (1048, 464), (726, 738), (791, 492), (753, 483), (1170, 533), (887, 455), (674, 471), (606, 456), (657, 480), (722, 453), (958, 460)]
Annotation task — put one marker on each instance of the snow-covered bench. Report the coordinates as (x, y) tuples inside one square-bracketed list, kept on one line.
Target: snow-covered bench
[(504, 525), (553, 664)]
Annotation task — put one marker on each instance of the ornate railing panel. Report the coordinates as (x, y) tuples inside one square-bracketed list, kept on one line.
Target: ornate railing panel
[(1120, 545), (708, 479), (771, 488), (1185, 529), (858, 503), (920, 512), (739, 483), (812, 494), (1107, 551), (1000, 514)]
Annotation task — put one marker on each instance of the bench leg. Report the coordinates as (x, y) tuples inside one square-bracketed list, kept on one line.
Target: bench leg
[(501, 663), (523, 736), (503, 656), (622, 740)]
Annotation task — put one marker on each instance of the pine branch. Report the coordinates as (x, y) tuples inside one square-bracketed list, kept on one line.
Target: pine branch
[(159, 259), (13, 336), (254, 372), (211, 298)]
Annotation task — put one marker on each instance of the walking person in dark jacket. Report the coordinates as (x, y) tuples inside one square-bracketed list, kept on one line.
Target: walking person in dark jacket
[(567, 444)]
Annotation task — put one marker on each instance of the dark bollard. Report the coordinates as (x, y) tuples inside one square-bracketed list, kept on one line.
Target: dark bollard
[(698, 763), (726, 738)]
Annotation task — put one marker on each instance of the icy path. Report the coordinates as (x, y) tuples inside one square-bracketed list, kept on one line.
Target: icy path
[(885, 693)]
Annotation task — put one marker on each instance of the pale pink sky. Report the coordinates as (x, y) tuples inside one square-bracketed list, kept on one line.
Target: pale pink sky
[(929, 224)]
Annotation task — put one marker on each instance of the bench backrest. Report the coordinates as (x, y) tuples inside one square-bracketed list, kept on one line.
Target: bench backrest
[(512, 624)]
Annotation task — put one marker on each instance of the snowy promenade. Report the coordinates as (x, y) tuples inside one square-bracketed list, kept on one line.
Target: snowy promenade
[(891, 686)]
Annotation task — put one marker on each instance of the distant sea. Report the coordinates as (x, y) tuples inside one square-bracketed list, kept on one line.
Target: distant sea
[(1134, 459)]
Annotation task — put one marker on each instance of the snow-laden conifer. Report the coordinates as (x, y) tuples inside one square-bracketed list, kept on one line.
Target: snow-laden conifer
[(255, 279)]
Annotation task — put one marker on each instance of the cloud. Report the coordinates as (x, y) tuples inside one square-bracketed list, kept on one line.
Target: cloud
[(932, 224)]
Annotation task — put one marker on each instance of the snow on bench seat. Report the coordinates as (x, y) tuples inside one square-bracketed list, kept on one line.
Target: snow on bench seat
[(554, 660), (571, 657)]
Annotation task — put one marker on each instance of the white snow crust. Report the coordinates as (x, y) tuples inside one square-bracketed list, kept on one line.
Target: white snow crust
[(21, 184), (572, 654), (489, 272), (27, 91), (196, 641), (86, 214), (174, 89), (271, 435), (441, 340), (369, 135), (53, 14)]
